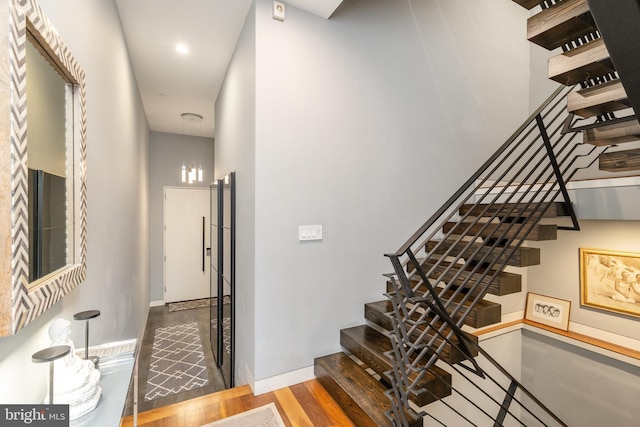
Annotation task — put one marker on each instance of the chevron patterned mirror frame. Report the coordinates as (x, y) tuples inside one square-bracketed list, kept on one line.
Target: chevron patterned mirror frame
[(22, 22)]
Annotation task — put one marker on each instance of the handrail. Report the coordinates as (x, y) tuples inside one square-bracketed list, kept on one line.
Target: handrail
[(414, 238)]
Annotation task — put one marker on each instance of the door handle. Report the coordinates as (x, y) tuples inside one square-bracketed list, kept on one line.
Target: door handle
[(208, 251), (204, 251)]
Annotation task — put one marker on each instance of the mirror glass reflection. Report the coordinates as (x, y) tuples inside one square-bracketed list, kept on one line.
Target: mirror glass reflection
[(47, 163)]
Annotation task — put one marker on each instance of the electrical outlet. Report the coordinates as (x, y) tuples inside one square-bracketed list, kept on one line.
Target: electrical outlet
[(278, 10)]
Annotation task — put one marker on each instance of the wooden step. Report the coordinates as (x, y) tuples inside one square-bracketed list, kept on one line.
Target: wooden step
[(528, 4), (369, 346), (500, 283), (615, 133), (598, 100), (359, 395), (380, 313), (521, 256), (538, 232), (513, 210), (588, 61), (560, 24), (620, 161), (484, 313)]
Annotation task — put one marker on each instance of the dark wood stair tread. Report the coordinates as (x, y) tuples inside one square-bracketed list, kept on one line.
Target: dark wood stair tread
[(528, 4), (598, 100), (620, 161), (370, 346), (512, 210), (380, 313), (484, 312), (535, 232), (614, 133), (499, 282), (589, 61), (560, 24), (360, 395), (521, 256)]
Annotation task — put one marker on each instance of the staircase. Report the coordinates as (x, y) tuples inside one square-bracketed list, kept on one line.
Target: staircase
[(415, 351), (596, 55)]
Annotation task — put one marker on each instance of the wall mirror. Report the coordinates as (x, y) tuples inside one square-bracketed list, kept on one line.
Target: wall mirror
[(42, 166)]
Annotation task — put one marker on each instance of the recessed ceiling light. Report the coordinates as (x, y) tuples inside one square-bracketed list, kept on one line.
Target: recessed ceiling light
[(182, 48)]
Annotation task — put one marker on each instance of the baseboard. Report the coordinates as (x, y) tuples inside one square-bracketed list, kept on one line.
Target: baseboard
[(279, 381), (157, 303)]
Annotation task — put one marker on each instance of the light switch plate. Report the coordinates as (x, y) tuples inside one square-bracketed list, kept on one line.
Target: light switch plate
[(309, 232)]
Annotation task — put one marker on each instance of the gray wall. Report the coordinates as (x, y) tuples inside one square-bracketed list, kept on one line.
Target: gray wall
[(117, 281), (235, 151), (364, 123), (581, 387), (167, 153)]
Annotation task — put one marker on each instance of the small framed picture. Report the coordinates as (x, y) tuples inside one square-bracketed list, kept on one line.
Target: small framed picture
[(548, 311)]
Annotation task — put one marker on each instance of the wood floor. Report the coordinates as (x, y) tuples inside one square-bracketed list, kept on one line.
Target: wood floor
[(305, 404)]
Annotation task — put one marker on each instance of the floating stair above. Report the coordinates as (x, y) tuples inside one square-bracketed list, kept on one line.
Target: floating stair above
[(483, 313), (598, 100), (613, 133), (499, 282), (532, 232), (620, 161), (519, 256), (560, 24), (593, 57), (589, 61), (380, 314), (511, 210)]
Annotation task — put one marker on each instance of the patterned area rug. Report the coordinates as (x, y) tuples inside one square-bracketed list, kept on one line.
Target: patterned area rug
[(177, 362), (196, 303), (264, 416), (226, 333)]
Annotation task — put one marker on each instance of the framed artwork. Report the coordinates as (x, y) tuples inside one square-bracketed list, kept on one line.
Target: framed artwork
[(610, 280), (548, 311)]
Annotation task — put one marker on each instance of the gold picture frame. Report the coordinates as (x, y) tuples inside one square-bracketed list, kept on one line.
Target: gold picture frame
[(549, 311), (610, 280)]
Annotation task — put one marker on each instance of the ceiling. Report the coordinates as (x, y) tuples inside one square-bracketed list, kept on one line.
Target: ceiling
[(172, 83)]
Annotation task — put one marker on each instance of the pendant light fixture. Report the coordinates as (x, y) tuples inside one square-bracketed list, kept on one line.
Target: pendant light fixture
[(191, 121)]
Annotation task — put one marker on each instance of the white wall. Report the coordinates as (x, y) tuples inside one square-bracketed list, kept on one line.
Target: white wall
[(364, 123), (235, 151), (117, 281), (167, 153)]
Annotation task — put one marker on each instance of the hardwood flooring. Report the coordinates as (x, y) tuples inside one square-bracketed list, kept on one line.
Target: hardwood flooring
[(304, 404)]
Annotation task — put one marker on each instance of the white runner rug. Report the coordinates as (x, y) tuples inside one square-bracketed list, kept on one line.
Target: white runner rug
[(263, 416), (177, 361)]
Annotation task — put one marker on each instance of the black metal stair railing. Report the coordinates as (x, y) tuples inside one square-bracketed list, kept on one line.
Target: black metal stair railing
[(448, 265)]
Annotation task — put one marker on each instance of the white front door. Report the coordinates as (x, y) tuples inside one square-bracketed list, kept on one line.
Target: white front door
[(186, 240)]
